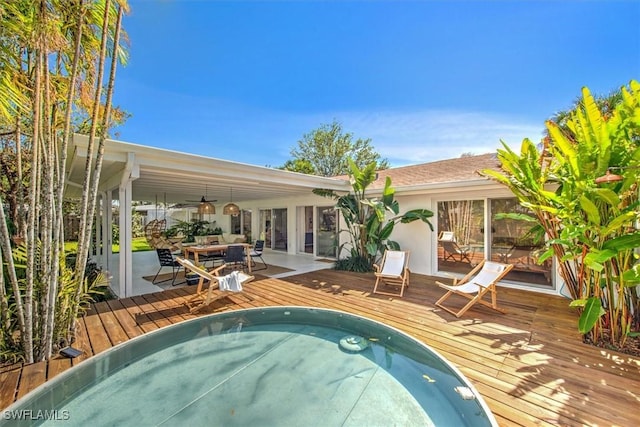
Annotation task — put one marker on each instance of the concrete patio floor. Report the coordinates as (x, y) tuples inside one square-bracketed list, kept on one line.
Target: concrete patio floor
[(146, 264)]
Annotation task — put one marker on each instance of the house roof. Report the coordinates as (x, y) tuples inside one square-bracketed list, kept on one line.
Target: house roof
[(160, 175), (461, 169), (175, 177)]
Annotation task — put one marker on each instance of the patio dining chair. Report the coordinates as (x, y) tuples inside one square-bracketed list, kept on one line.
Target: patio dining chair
[(393, 270), (475, 285), (230, 283), (256, 252), (234, 257), (166, 259)]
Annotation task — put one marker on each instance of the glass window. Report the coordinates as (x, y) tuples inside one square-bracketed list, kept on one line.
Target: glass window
[(514, 241), (280, 229), (265, 227), (461, 237), (327, 231), (235, 224), (246, 224)]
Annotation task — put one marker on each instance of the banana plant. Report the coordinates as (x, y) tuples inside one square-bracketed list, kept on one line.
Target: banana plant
[(591, 225), (369, 221)]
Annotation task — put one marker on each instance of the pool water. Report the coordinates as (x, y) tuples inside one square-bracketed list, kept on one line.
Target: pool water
[(263, 367)]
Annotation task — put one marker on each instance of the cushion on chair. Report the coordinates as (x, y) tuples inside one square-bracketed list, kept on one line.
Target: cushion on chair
[(233, 238)]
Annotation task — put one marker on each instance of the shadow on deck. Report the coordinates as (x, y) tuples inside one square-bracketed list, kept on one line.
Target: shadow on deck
[(530, 364)]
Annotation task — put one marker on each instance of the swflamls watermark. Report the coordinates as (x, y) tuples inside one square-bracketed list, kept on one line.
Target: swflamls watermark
[(36, 415)]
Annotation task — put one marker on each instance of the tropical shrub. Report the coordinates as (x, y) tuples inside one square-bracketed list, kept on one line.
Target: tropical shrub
[(366, 220), (190, 229), (591, 225)]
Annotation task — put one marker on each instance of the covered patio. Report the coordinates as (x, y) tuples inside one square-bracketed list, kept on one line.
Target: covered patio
[(530, 364), (133, 172)]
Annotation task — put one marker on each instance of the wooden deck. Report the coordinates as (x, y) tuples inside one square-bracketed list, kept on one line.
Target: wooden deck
[(529, 365)]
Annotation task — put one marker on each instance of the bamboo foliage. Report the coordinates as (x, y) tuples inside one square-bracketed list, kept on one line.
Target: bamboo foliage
[(460, 213), (54, 54), (592, 228)]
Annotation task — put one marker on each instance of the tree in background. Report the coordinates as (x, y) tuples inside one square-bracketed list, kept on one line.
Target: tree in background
[(299, 165), (57, 62), (325, 151)]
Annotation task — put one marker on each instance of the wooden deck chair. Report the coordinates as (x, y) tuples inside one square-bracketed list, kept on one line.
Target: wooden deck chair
[(478, 282), (225, 284), (451, 248), (393, 269)]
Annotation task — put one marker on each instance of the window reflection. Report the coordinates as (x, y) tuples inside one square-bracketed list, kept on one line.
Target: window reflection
[(461, 237)]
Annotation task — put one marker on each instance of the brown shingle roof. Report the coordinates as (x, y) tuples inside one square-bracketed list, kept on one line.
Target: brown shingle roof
[(450, 170)]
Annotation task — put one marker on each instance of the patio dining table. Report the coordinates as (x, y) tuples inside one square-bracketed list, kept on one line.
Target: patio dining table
[(196, 250)]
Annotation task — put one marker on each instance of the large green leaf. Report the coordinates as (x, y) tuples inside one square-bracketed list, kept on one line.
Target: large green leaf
[(595, 258), (565, 147), (386, 231), (417, 214), (631, 277), (590, 208), (607, 195), (388, 192), (516, 216), (590, 315), (361, 178), (623, 243), (618, 222)]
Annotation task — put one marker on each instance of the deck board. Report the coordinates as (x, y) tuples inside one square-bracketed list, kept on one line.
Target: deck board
[(530, 364)]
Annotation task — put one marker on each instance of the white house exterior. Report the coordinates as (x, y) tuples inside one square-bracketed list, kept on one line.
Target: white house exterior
[(280, 207)]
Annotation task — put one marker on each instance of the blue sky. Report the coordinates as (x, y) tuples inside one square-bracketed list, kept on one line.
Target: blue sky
[(425, 80)]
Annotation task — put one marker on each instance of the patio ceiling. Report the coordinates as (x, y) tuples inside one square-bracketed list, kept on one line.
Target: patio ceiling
[(176, 177)]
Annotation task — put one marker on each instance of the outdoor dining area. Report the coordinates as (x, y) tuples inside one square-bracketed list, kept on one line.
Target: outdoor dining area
[(237, 255)]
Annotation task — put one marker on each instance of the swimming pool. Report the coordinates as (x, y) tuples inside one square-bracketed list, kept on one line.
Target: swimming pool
[(280, 366)]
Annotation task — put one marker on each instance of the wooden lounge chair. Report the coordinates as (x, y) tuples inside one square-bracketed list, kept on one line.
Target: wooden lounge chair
[(478, 282), (452, 250), (393, 269), (203, 297)]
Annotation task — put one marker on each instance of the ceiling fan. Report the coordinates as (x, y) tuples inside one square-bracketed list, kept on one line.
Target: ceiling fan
[(203, 199), (205, 206)]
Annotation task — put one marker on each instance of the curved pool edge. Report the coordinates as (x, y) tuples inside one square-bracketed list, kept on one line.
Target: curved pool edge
[(91, 361)]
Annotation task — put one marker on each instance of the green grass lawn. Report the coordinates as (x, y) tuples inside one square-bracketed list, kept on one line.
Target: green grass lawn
[(139, 244)]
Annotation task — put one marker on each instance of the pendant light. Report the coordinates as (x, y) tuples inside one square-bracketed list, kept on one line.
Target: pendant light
[(231, 208), (205, 207)]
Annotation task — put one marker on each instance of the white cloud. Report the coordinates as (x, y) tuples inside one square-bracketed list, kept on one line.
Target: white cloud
[(418, 137), (239, 132)]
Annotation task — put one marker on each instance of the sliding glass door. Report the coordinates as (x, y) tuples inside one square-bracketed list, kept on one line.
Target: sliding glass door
[(241, 224), (279, 238), (327, 232), (265, 227), (273, 228), (460, 235), (515, 241), (305, 229), (495, 229)]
